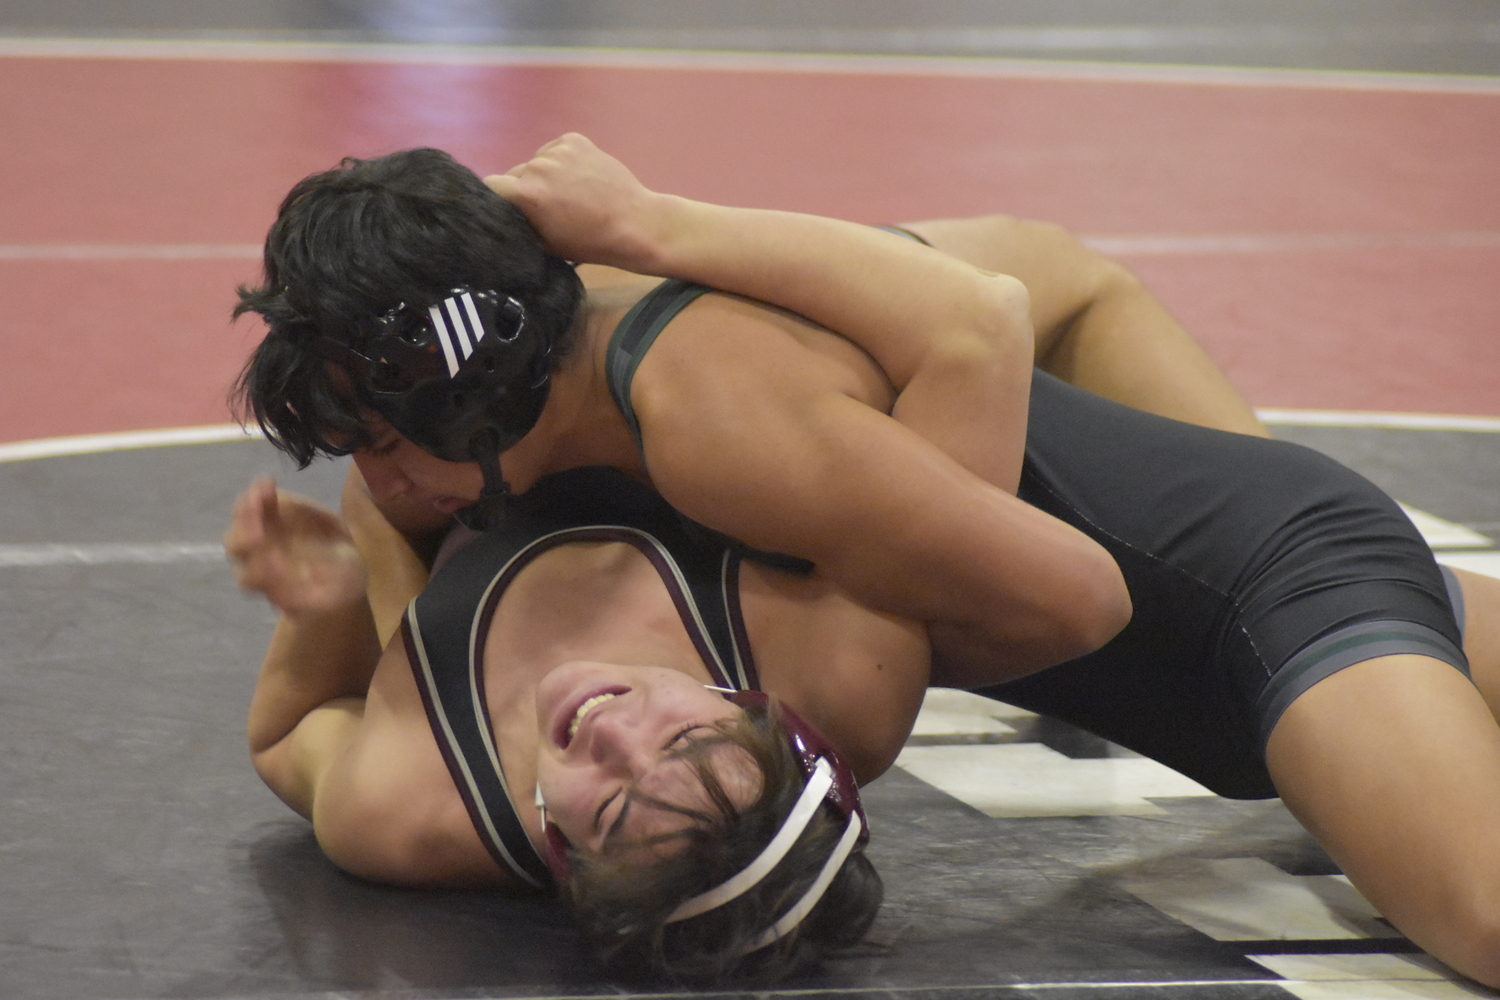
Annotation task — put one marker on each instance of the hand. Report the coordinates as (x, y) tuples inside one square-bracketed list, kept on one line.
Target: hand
[(296, 552), (588, 207)]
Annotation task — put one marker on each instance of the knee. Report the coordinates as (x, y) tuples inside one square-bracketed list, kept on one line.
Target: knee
[(1471, 943)]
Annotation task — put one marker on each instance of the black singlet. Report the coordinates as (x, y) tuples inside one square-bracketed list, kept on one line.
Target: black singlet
[(446, 626), (1256, 568)]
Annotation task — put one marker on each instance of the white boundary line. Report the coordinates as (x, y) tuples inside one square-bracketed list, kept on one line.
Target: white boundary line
[(89, 444), (1231, 243), (1019, 989), (1399, 421), (500, 55), (108, 554)]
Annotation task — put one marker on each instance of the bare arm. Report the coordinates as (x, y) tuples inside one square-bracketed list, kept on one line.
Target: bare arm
[(1097, 326), (397, 547), (309, 697), (953, 339), (765, 452), (741, 435), (872, 669)]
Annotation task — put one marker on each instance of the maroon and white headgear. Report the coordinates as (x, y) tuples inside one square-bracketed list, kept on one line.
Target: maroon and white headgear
[(829, 779)]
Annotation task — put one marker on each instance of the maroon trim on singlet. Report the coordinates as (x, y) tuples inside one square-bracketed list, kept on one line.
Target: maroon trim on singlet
[(666, 570), (739, 634)]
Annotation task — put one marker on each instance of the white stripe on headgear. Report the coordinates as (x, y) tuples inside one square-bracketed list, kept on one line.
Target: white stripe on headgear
[(816, 790)]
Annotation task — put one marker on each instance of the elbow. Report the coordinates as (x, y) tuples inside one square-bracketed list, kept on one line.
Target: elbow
[(1112, 612), (1096, 610), (991, 335), (1006, 324)]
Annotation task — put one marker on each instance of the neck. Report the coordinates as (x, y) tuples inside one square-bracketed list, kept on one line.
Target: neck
[(581, 425)]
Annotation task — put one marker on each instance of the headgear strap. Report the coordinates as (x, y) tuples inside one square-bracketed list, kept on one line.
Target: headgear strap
[(808, 803), (791, 918)]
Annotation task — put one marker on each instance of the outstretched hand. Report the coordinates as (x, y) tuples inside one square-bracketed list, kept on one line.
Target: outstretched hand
[(587, 205), (296, 552)]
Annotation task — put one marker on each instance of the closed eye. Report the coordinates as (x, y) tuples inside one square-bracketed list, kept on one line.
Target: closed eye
[(680, 740), (599, 813), (619, 821), (384, 448)]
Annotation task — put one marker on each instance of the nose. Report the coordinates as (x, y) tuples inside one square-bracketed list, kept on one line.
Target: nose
[(618, 743), (382, 475)]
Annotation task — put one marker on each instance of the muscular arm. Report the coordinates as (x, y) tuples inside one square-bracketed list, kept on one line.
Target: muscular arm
[(766, 452), (953, 339), (309, 697), (913, 511), (309, 701)]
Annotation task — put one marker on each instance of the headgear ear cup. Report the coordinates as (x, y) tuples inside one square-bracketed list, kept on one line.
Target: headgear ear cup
[(464, 380)]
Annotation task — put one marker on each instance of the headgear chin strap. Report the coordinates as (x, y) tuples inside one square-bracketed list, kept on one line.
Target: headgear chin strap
[(489, 510), (464, 380), (829, 780)]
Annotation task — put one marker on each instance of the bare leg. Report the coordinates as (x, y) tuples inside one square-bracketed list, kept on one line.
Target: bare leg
[(1394, 765), (1482, 634), (1097, 326)]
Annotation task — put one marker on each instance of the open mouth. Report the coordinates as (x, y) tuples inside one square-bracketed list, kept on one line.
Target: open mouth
[(568, 724)]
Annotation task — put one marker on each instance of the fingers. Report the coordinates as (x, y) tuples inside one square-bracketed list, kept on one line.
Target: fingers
[(247, 521), (291, 550), (254, 542), (568, 140), (555, 154), (504, 184)]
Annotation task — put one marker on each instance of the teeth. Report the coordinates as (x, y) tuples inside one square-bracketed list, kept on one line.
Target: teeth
[(584, 709)]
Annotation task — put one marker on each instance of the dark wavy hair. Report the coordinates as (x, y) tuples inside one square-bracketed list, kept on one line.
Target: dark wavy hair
[(622, 905), (349, 245)]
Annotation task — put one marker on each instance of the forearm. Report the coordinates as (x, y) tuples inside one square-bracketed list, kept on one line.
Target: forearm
[(312, 660), (887, 293), (952, 339), (955, 341), (397, 551), (900, 526), (1020, 594)]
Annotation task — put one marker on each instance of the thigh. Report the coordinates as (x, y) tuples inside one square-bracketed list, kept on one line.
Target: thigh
[(1394, 765), (1481, 626)]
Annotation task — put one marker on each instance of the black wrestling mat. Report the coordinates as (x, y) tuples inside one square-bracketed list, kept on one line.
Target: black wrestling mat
[(140, 857)]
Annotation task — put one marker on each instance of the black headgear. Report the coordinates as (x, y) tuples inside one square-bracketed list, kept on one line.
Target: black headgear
[(463, 379)]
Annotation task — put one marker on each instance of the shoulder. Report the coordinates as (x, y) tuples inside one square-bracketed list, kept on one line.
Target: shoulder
[(388, 812), (720, 330), (725, 361), (386, 808), (857, 675)]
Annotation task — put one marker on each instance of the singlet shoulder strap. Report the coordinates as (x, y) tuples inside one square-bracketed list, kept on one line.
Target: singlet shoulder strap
[(439, 630), (631, 339), (634, 336), (905, 232)]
